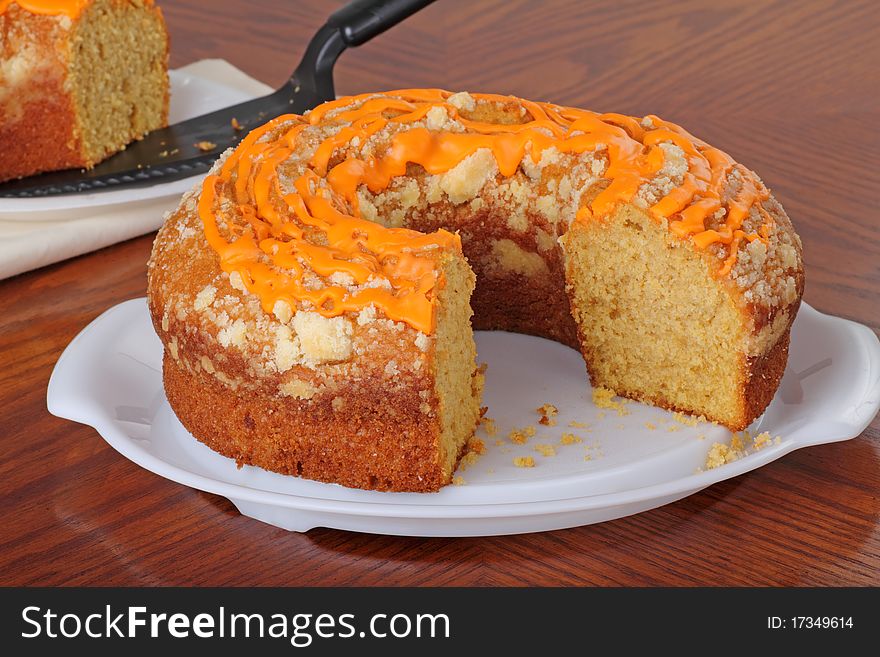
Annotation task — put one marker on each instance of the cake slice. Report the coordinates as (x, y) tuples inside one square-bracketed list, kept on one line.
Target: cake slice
[(654, 327), (79, 80)]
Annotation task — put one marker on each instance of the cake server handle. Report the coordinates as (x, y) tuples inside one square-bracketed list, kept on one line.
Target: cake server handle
[(361, 20), (353, 25)]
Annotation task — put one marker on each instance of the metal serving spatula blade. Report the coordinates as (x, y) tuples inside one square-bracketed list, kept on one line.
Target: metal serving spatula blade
[(190, 147)]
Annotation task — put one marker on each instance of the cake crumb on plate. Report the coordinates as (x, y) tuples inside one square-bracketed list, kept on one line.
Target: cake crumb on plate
[(605, 398), (475, 445), (489, 426), (547, 413), (521, 436), (545, 449)]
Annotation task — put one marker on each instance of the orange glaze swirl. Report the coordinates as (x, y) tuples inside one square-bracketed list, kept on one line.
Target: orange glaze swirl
[(367, 251)]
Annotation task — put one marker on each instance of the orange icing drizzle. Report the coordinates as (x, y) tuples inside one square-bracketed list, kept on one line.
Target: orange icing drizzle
[(71, 8), (366, 250), (362, 249)]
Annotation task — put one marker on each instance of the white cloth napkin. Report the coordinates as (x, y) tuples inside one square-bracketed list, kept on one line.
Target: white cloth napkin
[(27, 242)]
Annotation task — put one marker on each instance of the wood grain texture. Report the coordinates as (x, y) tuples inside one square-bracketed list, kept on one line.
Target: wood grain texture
[(790, 89)]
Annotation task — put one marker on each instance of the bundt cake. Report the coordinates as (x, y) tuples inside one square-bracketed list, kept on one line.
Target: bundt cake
[(313, 293), (79, 79)]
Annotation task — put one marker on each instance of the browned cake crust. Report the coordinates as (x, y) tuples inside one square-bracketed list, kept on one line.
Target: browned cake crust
[(364, 445), (37, 116), (763, 374), (41, 126), (47, 140)]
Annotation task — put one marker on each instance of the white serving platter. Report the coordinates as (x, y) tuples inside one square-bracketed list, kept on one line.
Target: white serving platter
[(109, 377)]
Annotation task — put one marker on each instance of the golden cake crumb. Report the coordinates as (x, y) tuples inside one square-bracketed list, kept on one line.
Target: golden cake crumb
[(720, 454), (736, 441), (688, 420), (570, 439), (650, 425), (489, 426), (476, 445), (545, 450), (458, 480), (468, 460), (605, 398), (717, 455), (673, 427), (547, 412), (578, 425), (763, 439), (521, 436), (524, 462), (205, 146)]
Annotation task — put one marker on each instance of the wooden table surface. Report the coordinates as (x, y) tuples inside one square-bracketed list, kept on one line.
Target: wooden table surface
[(790, 89)]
